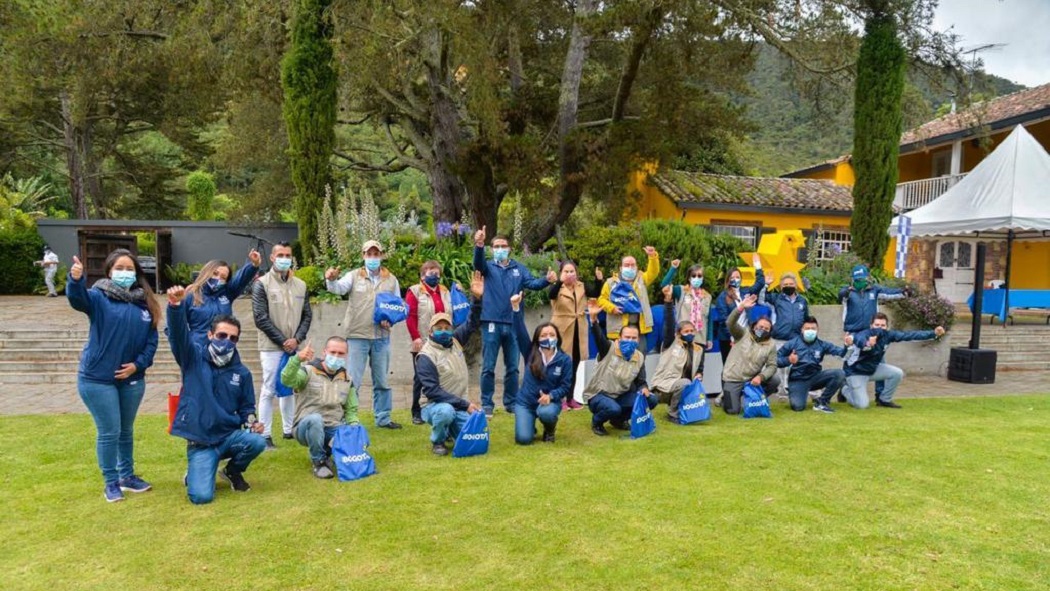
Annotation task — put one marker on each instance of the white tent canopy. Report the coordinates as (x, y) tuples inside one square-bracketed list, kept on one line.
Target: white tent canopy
[(1006, 195)]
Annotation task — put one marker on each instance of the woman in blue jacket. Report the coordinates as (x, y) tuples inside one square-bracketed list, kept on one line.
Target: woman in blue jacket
[(122, 339), (213, 292), (548, 378)]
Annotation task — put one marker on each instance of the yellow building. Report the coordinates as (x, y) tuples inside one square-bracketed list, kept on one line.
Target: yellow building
[(933, 157)]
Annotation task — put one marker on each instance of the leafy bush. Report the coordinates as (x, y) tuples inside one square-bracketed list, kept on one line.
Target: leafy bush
[(182, 273), (60, 280), (147, 243), (923, 312), (21, 247), (313, 278), (725, 255)]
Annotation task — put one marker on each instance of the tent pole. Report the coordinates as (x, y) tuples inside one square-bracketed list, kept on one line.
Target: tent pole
[(1009, 257)]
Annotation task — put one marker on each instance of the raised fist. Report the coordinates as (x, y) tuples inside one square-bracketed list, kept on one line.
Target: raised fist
[(176, 295), (676, 263), (650, 251), (793, 358), (668, 292), (255, 257)]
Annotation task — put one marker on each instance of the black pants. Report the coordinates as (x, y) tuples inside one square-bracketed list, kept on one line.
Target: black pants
[(417, 390)]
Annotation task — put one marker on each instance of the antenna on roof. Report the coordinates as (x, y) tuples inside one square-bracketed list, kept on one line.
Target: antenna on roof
[(973, 51)]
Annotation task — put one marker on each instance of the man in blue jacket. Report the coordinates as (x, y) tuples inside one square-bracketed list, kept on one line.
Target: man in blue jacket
[(865, 361), (216, 414), (804, 355), (504, 277), (860, 302)]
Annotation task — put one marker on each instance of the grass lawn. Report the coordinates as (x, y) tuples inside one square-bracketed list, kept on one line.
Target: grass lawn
[(945, 494)]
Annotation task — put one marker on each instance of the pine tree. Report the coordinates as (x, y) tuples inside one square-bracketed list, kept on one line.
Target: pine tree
[(877, 133), (309, 80), (201, 187)]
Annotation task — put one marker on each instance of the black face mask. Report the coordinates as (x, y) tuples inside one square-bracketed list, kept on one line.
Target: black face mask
[(788, 291)]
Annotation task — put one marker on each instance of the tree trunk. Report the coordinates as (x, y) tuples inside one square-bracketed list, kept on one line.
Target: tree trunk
[(73, 160), (92, 172), (449, 192)]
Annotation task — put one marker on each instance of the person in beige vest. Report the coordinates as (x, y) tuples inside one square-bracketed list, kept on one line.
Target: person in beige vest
[(281, 309), (441, 370), (618, 378), (640, 284), (424, 299), (325, 400), (569, 296), (753, 358), (681, 358), (369, 342)]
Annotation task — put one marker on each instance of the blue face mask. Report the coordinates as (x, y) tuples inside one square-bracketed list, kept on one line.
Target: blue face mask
[(688, 338), (809, 335), (432, 280), (334, 363), (282, 264), (548, 343), (734, 283), (442, 337), (627, 348), (124, 279), (696, 282), (500, 254), (372, 264), (215, 284), (221, 351), (628, 273)]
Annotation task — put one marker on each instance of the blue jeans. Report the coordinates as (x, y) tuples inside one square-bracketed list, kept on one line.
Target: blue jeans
[(203, 460), (444, 421), (376, 353), (494, 336), (312, 433), (609, 408), (525, 420), (856, 388), (114, 406), (829, 379)]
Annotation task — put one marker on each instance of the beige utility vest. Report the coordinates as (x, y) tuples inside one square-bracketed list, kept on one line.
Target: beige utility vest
[(672, 360), (359, 320), (451, 366), (285, 301), (323, 396), (685, 309), (615, 321), (425, 309), (614, 374)]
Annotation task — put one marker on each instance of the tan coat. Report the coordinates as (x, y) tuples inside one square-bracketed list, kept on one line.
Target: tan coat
[(569, 314)]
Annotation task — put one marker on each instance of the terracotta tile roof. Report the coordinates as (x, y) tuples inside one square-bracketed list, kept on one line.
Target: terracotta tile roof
[(1014, 105), (690, 187)]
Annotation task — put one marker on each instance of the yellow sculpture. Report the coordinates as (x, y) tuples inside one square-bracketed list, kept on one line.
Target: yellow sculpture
[(778, 254)]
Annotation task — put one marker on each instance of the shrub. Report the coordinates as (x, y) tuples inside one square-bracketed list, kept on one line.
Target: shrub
[(313, 278), (21, 247), (923, 312), (182, 273), (60, 280), (201, 188)]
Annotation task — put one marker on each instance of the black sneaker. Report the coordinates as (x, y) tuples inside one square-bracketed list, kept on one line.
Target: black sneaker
[(509, 410), (618, 424), (391, 425), (548, 434), (439, 449), (270, 446), (287, 436), (821, 407), (840, 397), (418, 420), (489, 412), (890, 404), (321, 470), (236, 479), (599, 430)]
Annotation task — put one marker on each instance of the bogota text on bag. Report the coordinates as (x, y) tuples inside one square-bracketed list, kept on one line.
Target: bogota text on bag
[(350, 453), (460, 306), (473, 439), (623, 297), (389, 307), (642, 422), (755, 404), (693, 407), (279, 388)]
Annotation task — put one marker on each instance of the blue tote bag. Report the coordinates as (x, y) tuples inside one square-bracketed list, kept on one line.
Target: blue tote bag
[(693, 407), (350, 453), (390, 307), (623, 297), (642, 422), (473, 439), (460, 306), (755, 404), (279, 388)]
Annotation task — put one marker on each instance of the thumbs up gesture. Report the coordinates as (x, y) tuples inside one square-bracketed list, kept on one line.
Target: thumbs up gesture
[(307, 354), (77, 270), (332, 273), (515, 301), (793, 358), (551, 275), (479, 237)]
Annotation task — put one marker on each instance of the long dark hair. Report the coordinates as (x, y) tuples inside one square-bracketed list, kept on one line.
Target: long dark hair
[(536, 364), (140, 279), (725, 288)]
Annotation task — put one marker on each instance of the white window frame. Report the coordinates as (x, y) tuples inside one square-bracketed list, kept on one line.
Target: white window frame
[(829, 239), (747, 233)]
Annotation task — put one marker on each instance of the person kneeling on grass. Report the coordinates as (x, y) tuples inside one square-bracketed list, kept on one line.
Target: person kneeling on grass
[(548, 378), (865, 362), (441, 370), (326, 399), (216, 413), (618, 378), (681, 360), (804, 354), (753, 358)]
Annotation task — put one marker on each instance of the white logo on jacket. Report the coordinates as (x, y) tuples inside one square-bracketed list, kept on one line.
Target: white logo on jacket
[(146, 316), (235, 379)]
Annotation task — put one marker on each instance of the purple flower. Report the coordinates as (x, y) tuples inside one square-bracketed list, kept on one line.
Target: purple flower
[(463, 230), (444, 229)]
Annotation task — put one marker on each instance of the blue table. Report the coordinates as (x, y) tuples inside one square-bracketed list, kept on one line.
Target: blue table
[(994, 302)]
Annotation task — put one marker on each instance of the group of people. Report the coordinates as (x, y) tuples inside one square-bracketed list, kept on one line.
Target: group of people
[(766, 336)]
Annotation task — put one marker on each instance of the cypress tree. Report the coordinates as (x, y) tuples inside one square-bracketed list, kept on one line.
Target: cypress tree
[(309, 81), (877, 123)]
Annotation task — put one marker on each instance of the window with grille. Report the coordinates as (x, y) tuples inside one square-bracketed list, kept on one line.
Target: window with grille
[(748, 234), (832, 243)]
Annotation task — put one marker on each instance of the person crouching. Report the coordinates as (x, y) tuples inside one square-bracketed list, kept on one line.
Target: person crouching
[(618, 378), (753, 358)]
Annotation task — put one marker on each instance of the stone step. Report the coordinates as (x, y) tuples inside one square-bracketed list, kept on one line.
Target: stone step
[(80, 333), (249, 343), (1024, 366)]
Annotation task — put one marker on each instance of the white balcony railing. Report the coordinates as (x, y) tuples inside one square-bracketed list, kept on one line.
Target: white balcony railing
[(915, 194)]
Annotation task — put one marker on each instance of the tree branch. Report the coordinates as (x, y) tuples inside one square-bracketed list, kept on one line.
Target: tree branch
[(401, 154), (356, 164), (402, 106)]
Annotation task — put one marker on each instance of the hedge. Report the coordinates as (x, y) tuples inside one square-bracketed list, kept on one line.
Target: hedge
[(21, 248)]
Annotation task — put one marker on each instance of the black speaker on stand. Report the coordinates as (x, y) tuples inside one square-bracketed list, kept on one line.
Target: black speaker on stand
[(974, 365)]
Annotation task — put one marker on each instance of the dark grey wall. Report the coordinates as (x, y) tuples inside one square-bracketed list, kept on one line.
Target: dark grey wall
[(191, 242)]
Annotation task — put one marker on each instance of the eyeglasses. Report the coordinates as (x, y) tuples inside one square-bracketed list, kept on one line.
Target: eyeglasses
[(224, 336)]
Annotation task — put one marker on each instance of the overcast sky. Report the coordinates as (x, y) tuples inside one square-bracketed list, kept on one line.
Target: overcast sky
[(1024, 25)]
